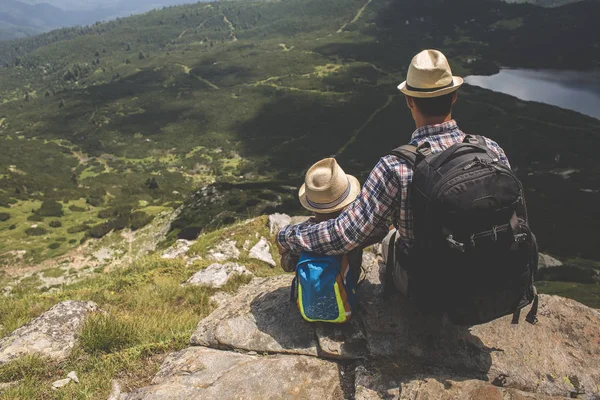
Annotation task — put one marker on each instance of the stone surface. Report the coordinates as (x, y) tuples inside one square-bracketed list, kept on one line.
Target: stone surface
[(262, 251), (547, 261), (179, 249), (278, 221), (217, 275), (556, 357), (299, 219), (202, 373), (226, 250), (261, 318), (73, 376), (115, 390), (53, 334), (60, 383), (386, 381), (8, 385)]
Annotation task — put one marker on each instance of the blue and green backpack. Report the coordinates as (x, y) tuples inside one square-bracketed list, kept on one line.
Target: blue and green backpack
[(324, 288)]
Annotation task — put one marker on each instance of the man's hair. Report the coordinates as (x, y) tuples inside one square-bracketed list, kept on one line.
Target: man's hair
[(435, 106)]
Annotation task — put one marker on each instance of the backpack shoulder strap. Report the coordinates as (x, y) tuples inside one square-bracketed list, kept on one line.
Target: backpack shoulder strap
[(476, 139), (407, 153)]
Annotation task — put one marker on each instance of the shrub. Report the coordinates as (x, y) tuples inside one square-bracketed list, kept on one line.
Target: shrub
[(37, 231), (54, 246), (72, 241), (12, 227), (120, 222), (139, 219), (94, 201), (50, 208), (55, 224), (75, 208), (104, 333), (78, 228), (4, 216), (114, 212), (98, 231), (35, 218)]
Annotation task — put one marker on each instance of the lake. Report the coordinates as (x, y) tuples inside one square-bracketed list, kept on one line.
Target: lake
[(574, 90)]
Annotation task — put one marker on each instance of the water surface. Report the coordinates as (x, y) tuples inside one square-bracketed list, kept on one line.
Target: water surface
[(574, 90)]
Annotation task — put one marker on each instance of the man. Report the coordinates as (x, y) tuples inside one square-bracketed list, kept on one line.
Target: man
[(430, 91)]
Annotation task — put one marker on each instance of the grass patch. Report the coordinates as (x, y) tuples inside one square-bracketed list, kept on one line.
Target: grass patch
[(105, 333), (588, 294), (53, 272)]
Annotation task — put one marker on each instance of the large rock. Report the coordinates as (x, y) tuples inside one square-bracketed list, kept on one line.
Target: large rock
[(261, 318), (262, 252), (558, 356), (226, 250), (202, 373), (277, 222), (53, 334), (217, 275)]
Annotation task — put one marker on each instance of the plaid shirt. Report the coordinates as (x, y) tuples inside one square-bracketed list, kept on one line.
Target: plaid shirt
[(383, 199)]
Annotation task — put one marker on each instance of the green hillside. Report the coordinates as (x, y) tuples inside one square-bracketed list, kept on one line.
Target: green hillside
[(102, 127)]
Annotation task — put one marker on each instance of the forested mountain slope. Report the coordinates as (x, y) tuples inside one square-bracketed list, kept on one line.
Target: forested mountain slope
[(121, 120)]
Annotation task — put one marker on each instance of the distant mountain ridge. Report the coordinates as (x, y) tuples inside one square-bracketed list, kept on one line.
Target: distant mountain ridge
[(22, 18), (18, 19)]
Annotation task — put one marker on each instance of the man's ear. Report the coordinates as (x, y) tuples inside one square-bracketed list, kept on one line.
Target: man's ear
[(454, 96), (409, 102)]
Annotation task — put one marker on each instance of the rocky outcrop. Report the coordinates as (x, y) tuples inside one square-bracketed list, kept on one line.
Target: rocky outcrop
[(52, 334), (278, 221), (217, 275), (389, 350), (202, 373), (262, 251), (226, 250), (547, 261), (179, 249), (261, 318)]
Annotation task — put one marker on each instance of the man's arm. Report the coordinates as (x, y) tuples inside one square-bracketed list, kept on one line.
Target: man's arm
[(365, 220)]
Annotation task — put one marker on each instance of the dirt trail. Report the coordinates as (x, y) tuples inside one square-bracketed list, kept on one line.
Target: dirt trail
[(188, 71), (231, 28), (364, 125), (356, 17)]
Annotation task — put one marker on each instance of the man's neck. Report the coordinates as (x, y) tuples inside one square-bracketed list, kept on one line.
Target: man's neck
[(425, 121)]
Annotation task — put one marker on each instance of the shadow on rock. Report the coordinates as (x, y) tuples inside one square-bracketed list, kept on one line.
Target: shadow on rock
[(279, 318), (397, 331)]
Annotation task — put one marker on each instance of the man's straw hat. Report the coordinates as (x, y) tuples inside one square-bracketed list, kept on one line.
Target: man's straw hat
[(429, 75), (327, 188)]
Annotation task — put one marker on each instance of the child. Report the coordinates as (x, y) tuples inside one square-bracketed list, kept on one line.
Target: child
[(327, 191)]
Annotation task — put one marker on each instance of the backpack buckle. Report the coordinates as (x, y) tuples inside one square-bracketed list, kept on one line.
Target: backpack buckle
[(455, 245), (520, 237)]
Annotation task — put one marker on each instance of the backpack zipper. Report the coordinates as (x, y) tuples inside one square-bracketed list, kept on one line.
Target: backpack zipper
[(493, 167), (478, 160)]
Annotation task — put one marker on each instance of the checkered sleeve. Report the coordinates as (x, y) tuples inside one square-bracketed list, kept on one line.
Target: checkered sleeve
[(366, 220), (498, 150)]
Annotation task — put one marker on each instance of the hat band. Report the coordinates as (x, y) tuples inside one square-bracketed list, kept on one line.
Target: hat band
[(414, 89), (339, 200)]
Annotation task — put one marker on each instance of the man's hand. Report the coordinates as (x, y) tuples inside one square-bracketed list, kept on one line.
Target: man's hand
[(282, 250)]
